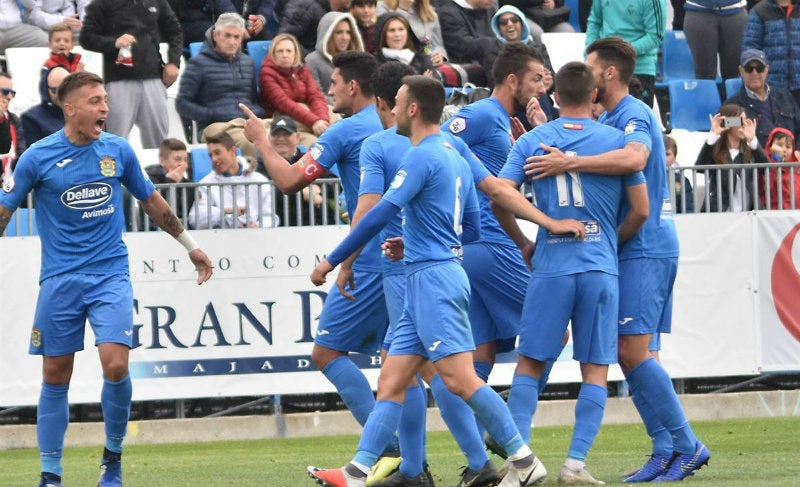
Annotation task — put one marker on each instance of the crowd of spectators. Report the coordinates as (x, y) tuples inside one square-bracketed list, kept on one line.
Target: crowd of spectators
[(453, 40)]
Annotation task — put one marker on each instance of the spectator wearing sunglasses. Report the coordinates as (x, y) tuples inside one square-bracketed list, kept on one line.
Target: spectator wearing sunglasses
[(45, 118), (12, 138), (771, 106)]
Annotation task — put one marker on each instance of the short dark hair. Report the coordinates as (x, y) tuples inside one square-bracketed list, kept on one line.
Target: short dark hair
[(358, 66), (428, 92), (169, 146), (223, 138), (669, 143), (513, 59), (617, 52), (5, 74), (388, 78), (574, 84), (356, 3), (74, 82)]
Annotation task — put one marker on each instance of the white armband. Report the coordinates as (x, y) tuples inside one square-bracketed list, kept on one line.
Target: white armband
[(187, 241)]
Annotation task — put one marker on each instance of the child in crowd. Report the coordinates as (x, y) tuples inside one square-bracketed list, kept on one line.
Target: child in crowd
[(784, 183), (61, 41), (682, 184)]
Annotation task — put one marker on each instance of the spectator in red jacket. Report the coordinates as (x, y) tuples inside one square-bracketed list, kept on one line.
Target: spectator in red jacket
[(288, 88)]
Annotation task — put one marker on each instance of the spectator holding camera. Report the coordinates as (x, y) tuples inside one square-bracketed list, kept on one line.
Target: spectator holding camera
[(731, 140)]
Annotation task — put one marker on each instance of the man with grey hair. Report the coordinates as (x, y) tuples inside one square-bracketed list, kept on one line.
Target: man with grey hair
[(136, 77), (208, 94)]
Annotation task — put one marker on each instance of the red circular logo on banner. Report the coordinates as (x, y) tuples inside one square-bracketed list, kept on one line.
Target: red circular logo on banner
[(786, 285)]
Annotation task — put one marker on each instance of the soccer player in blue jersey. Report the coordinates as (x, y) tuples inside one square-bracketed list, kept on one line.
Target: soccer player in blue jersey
[(648, 264), (494, 265), (435, 189), (345, 325), (573, 281), (77, 176), (380, 158)]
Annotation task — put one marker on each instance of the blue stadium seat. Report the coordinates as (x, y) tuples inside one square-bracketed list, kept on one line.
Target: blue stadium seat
[(201, 163), (732, 86), (27, 223), (194, 48), (677, 58), (573, 14), (691, 102), (257, 50)]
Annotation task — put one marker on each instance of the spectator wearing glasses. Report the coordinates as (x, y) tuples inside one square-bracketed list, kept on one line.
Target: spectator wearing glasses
[(769, 105), (45, 118), (12, 138)]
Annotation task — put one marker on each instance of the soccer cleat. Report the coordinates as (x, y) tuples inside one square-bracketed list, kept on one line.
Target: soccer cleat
[(485, 477), (493, 446), (397, 479), (657, 465), (337, 477), (110, 472), (567, 476), (685, 465), (386, 465), (49, 480), (533, 474)]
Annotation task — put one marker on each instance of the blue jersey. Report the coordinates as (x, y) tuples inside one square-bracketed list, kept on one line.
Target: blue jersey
[(380, 159), (657, 237), (486, 128), (434, 187), (593, 199), (340, 145), (78, 195)]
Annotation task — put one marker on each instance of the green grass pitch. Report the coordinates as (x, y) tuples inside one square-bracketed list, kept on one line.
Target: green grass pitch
[(755, 452)]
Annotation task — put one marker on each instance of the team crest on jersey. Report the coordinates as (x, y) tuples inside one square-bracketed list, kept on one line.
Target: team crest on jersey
[(8, 184), (458, 124), (398, 179), (315, 151), (108, 166), (36, 338), (630, 127)]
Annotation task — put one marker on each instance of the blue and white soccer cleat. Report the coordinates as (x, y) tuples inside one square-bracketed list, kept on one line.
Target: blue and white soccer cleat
[(656, 466), (110, 473), (685, 465), (49, 480)]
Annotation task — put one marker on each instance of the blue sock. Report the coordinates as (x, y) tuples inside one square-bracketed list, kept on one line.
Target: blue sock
[(493, 413), (412, 432), (522, 402), (115, 400), (662, 441), (460, 419), (545, 375), (352, 387), (378, 431), (588, 416), (52, 418), (656, 387), (483, 369)]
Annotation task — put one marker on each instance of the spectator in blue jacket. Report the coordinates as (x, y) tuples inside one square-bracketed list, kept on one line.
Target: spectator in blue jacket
[(715, 27), (219, 78), (45, 118), (773, 26)]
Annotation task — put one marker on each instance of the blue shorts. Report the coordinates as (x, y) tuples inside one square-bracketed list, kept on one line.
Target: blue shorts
[(645, 295), (589, 300), (497, 276), (66, 301), (394, 290), (354, 325), (434, 324)]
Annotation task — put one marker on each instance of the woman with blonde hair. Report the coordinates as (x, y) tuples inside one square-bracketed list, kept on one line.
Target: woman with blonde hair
[(337, 32), (731, 140), (288, 88)]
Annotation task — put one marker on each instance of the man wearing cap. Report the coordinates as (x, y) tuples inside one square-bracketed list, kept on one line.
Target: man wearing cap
[(284, 138), (771, 106)]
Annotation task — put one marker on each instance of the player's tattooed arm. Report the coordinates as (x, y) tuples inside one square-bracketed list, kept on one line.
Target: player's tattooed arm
[(159, 211), (5, 217)]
